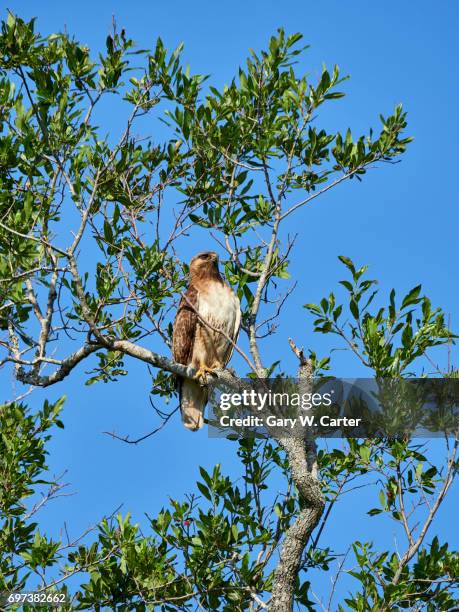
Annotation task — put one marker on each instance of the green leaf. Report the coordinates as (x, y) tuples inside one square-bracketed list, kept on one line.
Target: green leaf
[(353, 306), (204, 490), (374, 511), (412, 297)]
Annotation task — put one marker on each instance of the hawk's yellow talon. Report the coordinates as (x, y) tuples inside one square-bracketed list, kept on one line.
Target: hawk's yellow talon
[(201, 374), (204, 370)]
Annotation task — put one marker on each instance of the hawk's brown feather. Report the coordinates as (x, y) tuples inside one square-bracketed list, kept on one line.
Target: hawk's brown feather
[(185, 327)]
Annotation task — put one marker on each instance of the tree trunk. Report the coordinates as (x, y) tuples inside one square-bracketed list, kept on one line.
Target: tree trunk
[(302, 455)]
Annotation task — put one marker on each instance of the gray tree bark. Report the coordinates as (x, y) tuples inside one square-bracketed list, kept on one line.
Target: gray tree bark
[(302, 455)]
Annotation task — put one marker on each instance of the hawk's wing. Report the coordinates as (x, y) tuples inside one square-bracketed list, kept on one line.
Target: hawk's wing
[(192, 397), (185, 327)]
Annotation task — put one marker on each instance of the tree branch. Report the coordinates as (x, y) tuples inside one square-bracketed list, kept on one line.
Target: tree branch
[(414, 546)]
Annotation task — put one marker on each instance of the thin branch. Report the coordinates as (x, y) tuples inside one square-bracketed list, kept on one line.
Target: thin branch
[(315, 195), (413, 548), (144, 437), (34, 238)]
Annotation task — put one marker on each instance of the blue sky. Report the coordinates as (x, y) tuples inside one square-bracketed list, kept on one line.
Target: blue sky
[(402, 220)]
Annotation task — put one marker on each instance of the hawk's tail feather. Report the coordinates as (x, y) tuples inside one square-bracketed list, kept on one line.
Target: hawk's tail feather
[(193, 400)]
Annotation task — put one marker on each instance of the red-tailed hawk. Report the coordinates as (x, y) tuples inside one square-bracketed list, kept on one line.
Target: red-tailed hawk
[(207, 299)]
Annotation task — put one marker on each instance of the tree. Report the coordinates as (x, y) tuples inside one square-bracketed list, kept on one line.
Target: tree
[(233, 163)]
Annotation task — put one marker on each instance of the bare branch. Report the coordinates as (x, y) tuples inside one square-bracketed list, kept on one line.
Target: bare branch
[(315, 195)]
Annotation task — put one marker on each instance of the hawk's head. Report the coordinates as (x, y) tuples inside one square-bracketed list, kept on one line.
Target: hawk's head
[(204, 264)]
